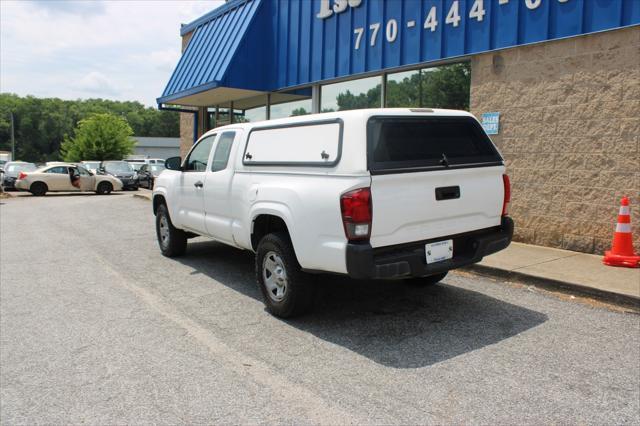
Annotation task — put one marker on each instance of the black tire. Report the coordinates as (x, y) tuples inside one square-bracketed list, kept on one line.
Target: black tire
[(425, 281), (38, 189), (172, 241), (295, 293), (104, 188)]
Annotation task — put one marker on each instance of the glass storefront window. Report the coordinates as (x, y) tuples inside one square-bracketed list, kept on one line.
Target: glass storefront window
[(223, 117), (290, 109), (354, 94), (404, 89), (255, 114), (440, 87), (446, 86)]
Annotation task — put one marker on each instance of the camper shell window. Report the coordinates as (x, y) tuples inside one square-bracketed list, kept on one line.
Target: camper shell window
[(313, 143), (404, 144)]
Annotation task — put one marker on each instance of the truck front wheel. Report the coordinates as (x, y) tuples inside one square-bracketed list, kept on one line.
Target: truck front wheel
[(172, 241), (286, 290)]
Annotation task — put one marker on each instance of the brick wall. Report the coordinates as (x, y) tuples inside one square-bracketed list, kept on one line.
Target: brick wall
[(186, 133), (569, 132)]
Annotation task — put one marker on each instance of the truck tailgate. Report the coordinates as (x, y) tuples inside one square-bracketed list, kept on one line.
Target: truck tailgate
[(406, 207)]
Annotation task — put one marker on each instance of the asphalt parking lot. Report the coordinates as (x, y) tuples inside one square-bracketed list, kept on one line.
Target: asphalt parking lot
[(96, 327)]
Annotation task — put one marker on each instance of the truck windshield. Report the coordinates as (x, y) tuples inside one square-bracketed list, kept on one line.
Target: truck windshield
[(403, 144)]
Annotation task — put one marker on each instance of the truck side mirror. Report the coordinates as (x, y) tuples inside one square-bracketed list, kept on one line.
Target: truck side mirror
[(173, 163)]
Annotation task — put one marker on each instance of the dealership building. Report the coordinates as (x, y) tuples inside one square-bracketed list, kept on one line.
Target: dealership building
[(556, 83)]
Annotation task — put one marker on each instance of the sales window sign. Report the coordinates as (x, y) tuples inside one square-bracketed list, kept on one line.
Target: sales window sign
[(491, 122)]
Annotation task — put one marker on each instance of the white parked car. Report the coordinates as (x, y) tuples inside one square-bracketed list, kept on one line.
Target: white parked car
[(66, 177), (373, 194)]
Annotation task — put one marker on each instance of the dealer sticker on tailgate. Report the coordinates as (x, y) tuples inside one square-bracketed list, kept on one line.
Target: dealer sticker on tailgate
[(437, 252)]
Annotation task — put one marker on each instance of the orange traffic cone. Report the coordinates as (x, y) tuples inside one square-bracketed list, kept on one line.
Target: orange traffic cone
[(621, 253)]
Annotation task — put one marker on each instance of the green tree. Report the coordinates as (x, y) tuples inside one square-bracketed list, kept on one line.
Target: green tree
[(99, 137), (42, 124)]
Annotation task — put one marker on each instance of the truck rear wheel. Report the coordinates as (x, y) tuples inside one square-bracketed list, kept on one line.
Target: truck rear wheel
[(172, 241), (425, 281), (286, 290)]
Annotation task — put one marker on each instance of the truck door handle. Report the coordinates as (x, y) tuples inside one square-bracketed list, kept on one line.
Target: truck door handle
[(198, 184), (447, 193)]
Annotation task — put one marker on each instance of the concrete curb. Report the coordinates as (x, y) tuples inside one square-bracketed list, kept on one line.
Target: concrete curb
[(142, 197), (558, 285)]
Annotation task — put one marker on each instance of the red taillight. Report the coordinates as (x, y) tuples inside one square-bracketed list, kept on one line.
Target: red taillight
[(356, 214), (507, 195), (22, 175)]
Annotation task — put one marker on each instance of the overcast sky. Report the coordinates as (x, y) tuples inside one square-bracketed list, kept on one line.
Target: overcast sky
[(124, 50)]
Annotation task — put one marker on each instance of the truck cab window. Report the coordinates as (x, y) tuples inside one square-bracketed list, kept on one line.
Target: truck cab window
[(223, 149), (199, 155)]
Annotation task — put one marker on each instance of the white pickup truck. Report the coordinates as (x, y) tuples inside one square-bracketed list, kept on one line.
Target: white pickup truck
[(374, 194)]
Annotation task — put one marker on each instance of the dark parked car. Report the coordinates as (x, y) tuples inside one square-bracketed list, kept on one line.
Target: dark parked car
[(11, 170), (121, 170), (148, 173)]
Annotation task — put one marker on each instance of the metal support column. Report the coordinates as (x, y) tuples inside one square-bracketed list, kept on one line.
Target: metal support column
[(202, 127), (383, 91), (268, 107), (420, 88), (315, 99)]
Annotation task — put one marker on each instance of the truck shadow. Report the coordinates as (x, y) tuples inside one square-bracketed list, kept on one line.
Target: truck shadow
[(386, 321)]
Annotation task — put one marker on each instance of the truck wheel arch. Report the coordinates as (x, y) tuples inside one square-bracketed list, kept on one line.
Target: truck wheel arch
[(157, 201), (264, 224)]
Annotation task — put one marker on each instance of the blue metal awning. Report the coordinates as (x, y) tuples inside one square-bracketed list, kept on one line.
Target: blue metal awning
[(246, 48), (205, 63)]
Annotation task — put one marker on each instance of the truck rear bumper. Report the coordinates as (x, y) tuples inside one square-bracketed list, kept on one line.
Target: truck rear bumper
[(409, 260)]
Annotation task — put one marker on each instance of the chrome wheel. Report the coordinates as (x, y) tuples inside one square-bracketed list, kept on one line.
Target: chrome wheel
[(274, 275), (164, 230)]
